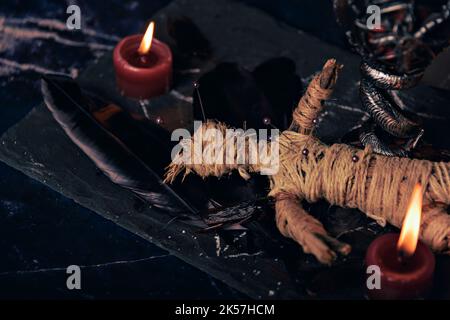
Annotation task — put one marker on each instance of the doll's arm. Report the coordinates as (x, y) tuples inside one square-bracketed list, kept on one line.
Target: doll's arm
[(310, 105), (294, 222)]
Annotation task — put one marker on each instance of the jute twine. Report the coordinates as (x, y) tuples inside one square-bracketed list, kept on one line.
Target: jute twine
[(311, 104), (212, 148), (377, 185), (345, 176)]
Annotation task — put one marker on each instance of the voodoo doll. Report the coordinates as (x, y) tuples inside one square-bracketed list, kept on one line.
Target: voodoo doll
[(343, 175)]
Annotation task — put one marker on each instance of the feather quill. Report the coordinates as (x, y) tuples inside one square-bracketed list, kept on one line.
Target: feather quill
[(64, 98)]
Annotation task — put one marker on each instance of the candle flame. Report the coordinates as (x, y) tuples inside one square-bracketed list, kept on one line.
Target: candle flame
[(147, 40), (409, 235)]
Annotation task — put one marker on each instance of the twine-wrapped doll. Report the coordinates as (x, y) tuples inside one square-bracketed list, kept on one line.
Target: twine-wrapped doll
[(343, 175)]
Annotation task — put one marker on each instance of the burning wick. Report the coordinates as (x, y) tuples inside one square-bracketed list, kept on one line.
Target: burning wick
[(409, 236), (146, 42)]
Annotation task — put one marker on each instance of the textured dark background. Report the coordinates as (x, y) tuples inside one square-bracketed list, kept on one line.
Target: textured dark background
[(41, 231)]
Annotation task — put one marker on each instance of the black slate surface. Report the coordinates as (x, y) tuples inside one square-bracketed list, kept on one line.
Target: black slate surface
[(257, 261), (42, 231)]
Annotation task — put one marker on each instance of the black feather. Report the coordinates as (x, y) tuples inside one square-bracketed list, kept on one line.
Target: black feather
[(66, 102), (240, 212)]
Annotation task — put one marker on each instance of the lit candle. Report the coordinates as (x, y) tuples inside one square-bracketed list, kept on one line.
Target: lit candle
[(143, 65), (406, 264)]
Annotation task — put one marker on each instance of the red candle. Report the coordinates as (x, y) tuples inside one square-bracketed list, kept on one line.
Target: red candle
[(406, 264), (143, 66)]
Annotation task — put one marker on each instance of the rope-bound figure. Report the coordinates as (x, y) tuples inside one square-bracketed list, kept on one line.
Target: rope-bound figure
[(345, 176), (394, 56)]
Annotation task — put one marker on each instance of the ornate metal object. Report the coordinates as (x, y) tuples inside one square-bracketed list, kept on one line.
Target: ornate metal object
[(394, 55)]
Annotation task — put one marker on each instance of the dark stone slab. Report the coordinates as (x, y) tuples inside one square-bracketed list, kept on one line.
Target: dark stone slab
[(258, 261)]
